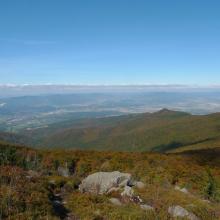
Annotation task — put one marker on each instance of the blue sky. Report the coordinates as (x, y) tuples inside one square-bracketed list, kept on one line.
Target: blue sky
[(110, 42)]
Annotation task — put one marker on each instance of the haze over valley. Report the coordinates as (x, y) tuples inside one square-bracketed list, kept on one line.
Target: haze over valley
[(26, 112)]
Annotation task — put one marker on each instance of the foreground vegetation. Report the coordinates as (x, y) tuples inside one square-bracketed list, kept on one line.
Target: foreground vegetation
[(31, 179)]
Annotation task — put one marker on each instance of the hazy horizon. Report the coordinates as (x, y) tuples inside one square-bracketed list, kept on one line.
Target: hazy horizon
[(11, 90)]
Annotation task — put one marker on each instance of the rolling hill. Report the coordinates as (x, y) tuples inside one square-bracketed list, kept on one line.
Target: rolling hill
[(162, 131)]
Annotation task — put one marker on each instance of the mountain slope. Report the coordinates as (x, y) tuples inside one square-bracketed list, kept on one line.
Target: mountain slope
[(162, 131), (12, 138), (32, 184)]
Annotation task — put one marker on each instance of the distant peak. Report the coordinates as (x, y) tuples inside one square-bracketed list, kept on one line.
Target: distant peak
[(165, 110)]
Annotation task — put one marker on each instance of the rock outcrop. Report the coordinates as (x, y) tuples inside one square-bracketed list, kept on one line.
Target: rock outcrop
[(178, 211), (109, 182), (102, 182)]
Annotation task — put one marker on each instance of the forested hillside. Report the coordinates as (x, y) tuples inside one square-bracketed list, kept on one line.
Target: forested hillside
[(163, 131)]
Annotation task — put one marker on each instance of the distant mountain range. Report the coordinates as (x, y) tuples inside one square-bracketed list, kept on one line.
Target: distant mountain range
[(162, 131), (36, 112), (114, 120)]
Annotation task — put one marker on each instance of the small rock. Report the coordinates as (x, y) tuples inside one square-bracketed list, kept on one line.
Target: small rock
[(147, 207), (183, 190), (206, 201), (52, 182), (58, 202), (57, 194), (178, 211), (115, 201), (140, 185), (128, 191), (63, 171), (31, 174)]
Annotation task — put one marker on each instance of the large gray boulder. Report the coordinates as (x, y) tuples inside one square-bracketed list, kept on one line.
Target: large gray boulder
[(178, 211), (102, 182)]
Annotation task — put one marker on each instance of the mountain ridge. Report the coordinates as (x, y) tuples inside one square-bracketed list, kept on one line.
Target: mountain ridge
[(163, 131)]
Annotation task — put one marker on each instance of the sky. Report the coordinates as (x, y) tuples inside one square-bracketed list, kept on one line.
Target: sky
[(111, 42)]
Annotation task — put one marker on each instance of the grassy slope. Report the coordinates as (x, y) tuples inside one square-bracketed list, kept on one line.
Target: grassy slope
[(163, 131), (160, 173)]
